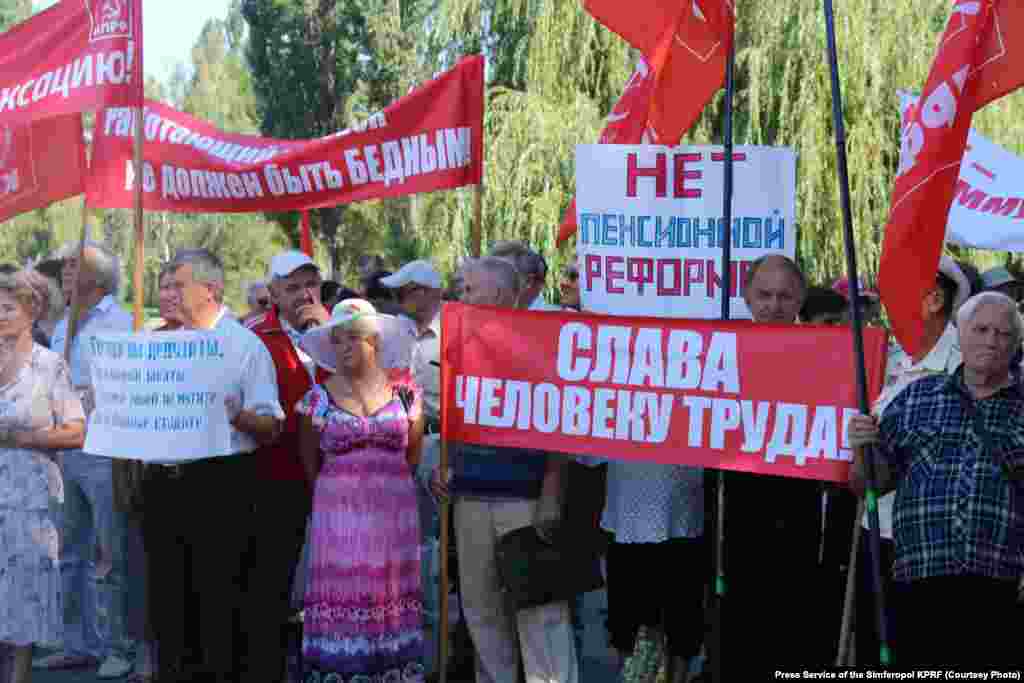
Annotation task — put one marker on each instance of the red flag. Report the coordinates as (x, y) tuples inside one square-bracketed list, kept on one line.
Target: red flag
[(306, 238), (972, 66), (40, 163), (75, 56), (684, 47)]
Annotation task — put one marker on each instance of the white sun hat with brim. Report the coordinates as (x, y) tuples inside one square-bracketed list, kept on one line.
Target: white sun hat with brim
[(950, 269), (397, 335)]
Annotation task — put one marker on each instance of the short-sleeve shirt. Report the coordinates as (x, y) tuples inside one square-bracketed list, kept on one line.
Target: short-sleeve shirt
[(252, 377), (427, 375)]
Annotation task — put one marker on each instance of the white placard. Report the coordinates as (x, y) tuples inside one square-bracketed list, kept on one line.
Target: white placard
[(159, 397), (650, 224)]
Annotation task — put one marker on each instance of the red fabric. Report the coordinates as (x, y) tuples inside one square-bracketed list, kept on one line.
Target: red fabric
[(431, 139), (76, 56), (732, 395), (970, 69), (684, 47), (306, 238), (40, 163), (281, 460)]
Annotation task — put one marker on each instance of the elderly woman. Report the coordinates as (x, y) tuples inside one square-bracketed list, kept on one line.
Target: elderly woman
[(360, 440), (954, 445), (39, 415)]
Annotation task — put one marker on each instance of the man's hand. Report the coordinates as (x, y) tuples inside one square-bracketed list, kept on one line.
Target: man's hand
[(863, 431), (438, 487)]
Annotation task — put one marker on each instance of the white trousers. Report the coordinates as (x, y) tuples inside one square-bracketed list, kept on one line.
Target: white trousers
[(542, 636)]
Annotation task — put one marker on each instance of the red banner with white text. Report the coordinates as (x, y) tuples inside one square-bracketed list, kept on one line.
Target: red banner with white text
[(76, 56), (432, 139), (40, 163), (732, 395)]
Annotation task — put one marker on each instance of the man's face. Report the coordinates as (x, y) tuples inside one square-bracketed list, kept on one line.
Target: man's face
[(69, 273), (569, 286), (774, 296), (987, 341), (259, 299), (170, 302), (418, 301), (479, 288), (298, 297), (193, 297)]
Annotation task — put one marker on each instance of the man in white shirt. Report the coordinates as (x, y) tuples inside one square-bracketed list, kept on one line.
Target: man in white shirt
[(939, 354), (205, 508), (93, 553)]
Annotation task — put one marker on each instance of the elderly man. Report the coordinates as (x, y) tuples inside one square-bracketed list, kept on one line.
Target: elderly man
[(497, 493), (939, 354), (533, 272), (773, 527), (93, 552), (283, 499), (257, 296), (200, 540), (954, 447)]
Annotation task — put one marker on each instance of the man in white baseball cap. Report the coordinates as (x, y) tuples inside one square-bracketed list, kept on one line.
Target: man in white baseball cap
[(282, 501)]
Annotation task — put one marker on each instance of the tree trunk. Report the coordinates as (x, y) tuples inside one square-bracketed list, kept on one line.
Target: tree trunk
[(330, 221)]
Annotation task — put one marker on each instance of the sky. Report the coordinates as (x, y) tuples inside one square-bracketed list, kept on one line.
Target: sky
[(169, 28)]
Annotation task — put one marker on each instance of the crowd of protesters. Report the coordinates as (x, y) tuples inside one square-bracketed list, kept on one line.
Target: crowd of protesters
[(189, 571)]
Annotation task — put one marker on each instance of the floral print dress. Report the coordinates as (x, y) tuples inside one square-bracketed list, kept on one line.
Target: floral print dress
[(31, 493)]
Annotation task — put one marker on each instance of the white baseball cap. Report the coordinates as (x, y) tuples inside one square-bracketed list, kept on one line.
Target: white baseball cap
[(287, 262), (415, 272)]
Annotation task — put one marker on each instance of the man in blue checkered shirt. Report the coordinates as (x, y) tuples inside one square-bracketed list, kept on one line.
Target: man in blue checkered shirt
[(953, 448)]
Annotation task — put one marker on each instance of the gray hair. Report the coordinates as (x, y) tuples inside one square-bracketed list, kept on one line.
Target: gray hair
[(778, 260), (505, 274), (970, 307), (206, 268), (527, 261), (106, 264)]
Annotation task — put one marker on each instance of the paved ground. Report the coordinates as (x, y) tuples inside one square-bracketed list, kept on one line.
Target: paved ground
[(597, 658)]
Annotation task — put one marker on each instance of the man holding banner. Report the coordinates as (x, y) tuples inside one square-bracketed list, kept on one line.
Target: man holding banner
[(206, 517)]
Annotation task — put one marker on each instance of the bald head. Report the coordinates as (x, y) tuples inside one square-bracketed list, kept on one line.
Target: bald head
[(774, 289)]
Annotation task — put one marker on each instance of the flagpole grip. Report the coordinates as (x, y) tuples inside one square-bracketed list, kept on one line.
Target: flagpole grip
[(138, 279)]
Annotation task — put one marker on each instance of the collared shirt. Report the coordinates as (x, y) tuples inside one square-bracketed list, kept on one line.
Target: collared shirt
[(252, 375), (106, 315), (295, 336), (956, 511), (900, 372), (426, 375)]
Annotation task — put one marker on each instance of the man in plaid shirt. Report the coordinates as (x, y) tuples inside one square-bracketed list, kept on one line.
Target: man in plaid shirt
[(954, 447)]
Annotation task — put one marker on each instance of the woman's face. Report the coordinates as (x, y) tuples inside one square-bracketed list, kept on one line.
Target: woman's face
[(15, 323), (354, 350)]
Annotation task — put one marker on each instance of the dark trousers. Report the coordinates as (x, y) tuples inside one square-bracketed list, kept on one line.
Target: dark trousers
[(660, 585), (868, 646), (280, 512), (957, 621), (196, 530)]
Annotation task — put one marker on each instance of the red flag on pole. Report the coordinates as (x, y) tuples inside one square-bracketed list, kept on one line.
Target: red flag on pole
[(306, 238), (40, 163), (75, 56), (684, 48), (973, 65)]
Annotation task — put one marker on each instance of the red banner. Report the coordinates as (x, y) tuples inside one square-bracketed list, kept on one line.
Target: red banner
[(76, 56), (976, 62), (432, 139), (40, 163), (734, 395)]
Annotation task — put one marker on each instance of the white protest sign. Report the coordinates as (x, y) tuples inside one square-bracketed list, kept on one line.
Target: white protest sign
[(650, 225), (159, 397)]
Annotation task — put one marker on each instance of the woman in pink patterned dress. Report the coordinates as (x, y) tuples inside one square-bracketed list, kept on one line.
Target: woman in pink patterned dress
[(361, 438)]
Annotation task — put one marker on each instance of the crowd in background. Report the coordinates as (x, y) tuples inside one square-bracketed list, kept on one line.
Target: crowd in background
[(322, 519)]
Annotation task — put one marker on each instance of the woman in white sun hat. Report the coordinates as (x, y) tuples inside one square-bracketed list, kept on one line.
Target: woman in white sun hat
[(360, 440)]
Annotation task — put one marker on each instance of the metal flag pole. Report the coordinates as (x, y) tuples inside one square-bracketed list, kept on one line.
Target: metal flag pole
[(726, 269), (871, 493)]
